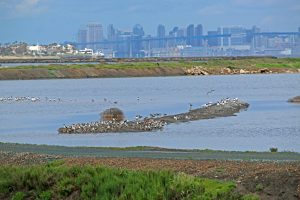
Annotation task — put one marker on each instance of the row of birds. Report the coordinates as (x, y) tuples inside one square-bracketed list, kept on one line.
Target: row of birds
[(27, 98), (106, 126), (151, 115), (37, 99), (221, 102)]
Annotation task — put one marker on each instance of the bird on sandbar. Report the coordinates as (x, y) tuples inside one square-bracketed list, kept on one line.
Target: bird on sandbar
[(190, 106)]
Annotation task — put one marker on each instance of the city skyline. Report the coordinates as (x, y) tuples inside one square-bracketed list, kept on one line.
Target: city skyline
[(188, 41), (47, 21)]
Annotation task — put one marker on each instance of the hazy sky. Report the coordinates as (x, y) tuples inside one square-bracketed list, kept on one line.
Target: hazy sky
[(46, 21)]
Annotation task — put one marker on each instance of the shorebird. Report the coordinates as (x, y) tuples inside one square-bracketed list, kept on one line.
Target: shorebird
[(190, 108), (211, 91), (138, 117), (34, 99)]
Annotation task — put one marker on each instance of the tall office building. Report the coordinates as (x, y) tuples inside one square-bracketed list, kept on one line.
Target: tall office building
[(94, 35), (136, 41), (238, 36), (161, 31), (111, 36), (82, 38), (111, 32), (252, 38), (199, 33), (212, 40), (173, 32), (161, 34), (190, 33), (180, 32), (138, 30)]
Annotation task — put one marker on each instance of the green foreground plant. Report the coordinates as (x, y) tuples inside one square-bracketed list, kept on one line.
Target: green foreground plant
[(58, 181)]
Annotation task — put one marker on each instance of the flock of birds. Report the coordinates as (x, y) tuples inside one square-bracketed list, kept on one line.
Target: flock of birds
[(222, 102), (113, 126), (27, 99), (139, 124)]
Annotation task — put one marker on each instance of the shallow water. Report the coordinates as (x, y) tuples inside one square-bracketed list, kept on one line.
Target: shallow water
[(269, 122)]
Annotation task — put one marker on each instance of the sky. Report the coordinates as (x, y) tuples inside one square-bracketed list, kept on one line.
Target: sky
[(47, 21)]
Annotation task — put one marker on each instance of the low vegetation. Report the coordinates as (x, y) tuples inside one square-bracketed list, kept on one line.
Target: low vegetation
[(289, 63), (273, 149), (60, 181)]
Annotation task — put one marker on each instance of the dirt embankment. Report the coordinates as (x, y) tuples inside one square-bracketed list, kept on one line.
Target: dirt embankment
[(94, 72), (86, 72)]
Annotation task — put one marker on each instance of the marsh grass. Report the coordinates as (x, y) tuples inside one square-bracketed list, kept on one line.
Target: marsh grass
[(59, 181), (292, 63)]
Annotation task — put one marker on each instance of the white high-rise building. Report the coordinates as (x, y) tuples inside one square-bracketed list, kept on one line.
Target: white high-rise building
[(94, 35)]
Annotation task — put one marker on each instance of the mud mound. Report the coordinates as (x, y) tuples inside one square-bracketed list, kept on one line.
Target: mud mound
[(112, 114), (294, 100)]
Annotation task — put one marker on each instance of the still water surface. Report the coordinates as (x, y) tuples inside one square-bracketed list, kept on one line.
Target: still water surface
[(269, 122)]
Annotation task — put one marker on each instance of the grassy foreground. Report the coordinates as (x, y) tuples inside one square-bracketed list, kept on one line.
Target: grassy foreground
[(59, 181)]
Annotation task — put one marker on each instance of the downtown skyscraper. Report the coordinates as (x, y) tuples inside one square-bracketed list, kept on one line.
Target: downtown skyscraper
[(161, 34), (82, 38), (94, 34)]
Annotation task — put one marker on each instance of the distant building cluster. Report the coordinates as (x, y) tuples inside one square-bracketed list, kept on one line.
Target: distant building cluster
[(190, 41), (24, 49)]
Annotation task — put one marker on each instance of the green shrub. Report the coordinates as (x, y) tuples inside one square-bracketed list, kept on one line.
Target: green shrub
[(46, 195), (58, 181), (259, 187), (18, 196), (273, 149)]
